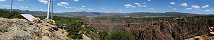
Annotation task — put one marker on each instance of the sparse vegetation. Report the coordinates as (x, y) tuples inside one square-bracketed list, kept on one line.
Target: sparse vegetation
[(73, 26), (200, 33), (116, 35), (155, 28), (7, 14), (120, 36), (103, 35)]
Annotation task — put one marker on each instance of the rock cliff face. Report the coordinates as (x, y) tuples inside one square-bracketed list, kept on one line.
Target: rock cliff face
[(157, 29), (170, 29), (21, 29)]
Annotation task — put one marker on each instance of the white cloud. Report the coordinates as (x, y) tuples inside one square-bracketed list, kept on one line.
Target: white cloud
[(209, 10), (184, 4), (188, 9), (76, 0), (148, 0), (3, 0), (24, 7), (129, 6), (43, 1), (174, 8), (63, 4), (84, 9), (135, 5), (67, 7), (195, 6), (82, 6), (138, 4), (90, 9), (21, 0), (206, 6), (144, 2), (172, 3), (143, 6)]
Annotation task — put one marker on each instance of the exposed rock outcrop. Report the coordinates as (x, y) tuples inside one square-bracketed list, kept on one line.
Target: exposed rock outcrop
[(21, 29)]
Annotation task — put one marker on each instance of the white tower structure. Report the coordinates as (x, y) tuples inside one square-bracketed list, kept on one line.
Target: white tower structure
[(50, 9)]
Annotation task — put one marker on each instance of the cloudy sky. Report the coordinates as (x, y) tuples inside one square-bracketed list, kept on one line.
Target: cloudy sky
[(189, 6)]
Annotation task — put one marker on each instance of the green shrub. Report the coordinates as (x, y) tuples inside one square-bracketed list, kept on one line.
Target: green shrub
[(73, 26), (103, 35), (120, 36), (117, 35), (7, 14), (200, 33)]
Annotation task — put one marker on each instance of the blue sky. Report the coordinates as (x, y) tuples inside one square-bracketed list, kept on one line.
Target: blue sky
[(189, 6)]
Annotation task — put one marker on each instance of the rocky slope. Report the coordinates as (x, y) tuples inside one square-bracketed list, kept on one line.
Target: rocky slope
[(168, 30), (157, 28), (21, 29)]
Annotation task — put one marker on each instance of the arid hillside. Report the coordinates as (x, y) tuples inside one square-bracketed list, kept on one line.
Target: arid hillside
[(157, 28), (21, 29)]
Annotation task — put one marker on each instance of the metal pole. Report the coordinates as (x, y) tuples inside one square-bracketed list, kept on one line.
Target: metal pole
[(51, 9), (11, 6)]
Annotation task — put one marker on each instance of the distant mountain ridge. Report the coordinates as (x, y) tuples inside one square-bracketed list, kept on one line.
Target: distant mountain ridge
[(83, 13)]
